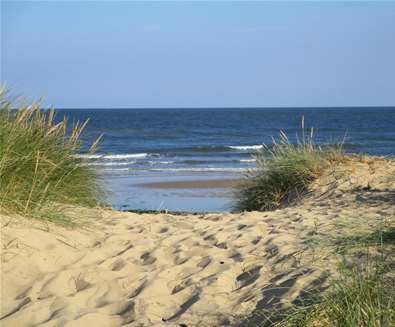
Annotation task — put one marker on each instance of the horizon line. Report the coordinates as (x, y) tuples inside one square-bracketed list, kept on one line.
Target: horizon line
[(247, 107)]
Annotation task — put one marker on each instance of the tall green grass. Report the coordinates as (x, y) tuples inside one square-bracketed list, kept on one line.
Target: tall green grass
[(284, 171), (39, 168)]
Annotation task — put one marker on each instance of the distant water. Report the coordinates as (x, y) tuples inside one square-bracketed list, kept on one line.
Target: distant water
[(148, 145)]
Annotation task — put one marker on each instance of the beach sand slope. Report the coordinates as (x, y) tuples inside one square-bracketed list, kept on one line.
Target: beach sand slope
[(128, 269)]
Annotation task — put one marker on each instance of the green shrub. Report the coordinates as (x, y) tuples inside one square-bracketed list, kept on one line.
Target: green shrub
[(283, 172), (39, 169)]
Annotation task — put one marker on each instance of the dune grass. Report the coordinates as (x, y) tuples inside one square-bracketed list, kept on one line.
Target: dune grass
[(360, 293), (284, 171), (363, 293), (39, 169)]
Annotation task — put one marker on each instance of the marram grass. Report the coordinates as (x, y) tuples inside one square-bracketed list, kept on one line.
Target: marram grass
[(39, 169), (284, 171), (362, 295)]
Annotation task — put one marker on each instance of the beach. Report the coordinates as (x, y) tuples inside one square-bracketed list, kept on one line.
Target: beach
[(197, 164), (208, 269)]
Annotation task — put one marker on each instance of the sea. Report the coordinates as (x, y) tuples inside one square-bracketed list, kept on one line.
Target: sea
[(148, 146)]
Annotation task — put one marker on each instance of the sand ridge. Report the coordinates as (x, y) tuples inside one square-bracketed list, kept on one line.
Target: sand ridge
[(128, 269)]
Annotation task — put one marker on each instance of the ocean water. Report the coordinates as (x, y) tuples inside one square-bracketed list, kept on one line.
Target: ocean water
[(155, 145)]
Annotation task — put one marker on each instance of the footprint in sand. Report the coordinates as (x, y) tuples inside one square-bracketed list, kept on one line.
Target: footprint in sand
[(248, 277), (204, 262), (138, 290), (184, 307), (241, 226), (179, 260), (118, 265), (256, 240), (182, 285), (124, 309), (221, 245), (236, 256), (147, 258), (163, 230)]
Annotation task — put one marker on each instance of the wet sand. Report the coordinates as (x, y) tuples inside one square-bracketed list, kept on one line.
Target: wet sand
[(192, 184)]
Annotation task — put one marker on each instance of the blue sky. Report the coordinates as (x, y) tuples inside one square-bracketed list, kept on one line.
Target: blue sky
[(200, 54)]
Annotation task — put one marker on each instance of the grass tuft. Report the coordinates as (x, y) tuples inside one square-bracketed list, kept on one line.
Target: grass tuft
[(284, 171), (361, 293), (361, 296), (39, 169)]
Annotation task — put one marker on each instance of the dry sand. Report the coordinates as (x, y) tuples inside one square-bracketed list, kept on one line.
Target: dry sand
[(127, 269)]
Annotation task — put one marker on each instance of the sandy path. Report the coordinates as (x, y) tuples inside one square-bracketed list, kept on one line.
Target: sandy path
[(125, 269)]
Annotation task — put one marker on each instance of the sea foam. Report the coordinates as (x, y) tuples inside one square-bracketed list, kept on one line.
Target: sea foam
[(113, 156), (246, 147)]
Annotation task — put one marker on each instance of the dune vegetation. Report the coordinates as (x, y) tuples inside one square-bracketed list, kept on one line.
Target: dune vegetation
[(361, 293), (284, 171), (39, 169)]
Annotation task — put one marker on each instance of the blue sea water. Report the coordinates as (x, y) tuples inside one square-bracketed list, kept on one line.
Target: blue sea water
[(151, 145)]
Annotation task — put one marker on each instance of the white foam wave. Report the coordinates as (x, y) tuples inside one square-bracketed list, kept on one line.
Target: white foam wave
[(126, 163), (246, 147), (113, 156), (247, 160), (161, 162), (139, 170), (115, 170), (217, 169), (111, 163)]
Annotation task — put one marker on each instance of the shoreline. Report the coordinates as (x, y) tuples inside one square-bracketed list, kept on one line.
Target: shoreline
[(187, 193), (192, 184), (176, 213)]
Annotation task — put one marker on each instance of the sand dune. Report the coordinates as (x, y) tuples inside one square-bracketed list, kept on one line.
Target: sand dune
[(126, 269)]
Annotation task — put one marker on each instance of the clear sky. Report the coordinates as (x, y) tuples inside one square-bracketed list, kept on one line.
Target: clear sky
[(200, 54)]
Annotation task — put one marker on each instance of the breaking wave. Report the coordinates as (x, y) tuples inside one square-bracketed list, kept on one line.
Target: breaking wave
[(113, 156)]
